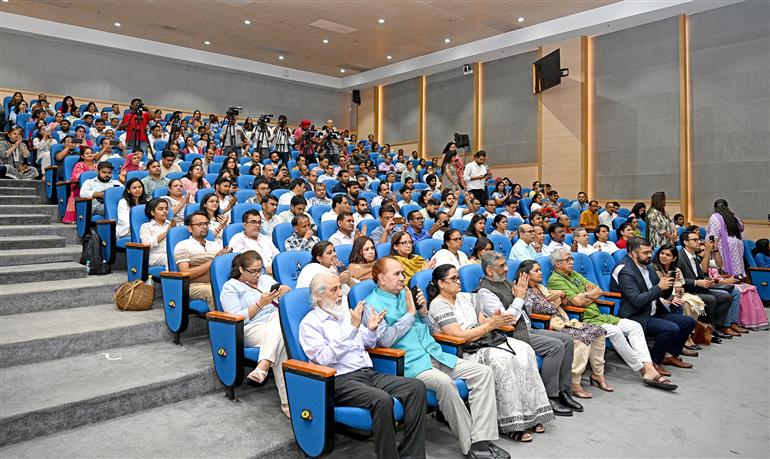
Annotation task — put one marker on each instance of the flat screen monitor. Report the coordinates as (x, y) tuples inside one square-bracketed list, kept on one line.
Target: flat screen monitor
[(546, 72)]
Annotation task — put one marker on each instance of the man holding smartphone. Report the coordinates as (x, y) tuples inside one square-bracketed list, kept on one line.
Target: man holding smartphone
[(476, 174)]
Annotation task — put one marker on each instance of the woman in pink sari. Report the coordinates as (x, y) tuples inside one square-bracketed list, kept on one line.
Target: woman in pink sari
[(86, 163), (726, 228)]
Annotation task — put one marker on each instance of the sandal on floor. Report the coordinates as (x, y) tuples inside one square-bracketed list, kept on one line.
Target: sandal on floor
[(258, 376), (539, 428), (660, 382), (523, 437)]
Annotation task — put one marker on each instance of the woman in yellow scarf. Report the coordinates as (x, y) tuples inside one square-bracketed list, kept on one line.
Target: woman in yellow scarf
[(402, 249)]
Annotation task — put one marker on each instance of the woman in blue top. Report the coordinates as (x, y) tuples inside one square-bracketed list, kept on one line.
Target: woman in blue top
[(248, 294)]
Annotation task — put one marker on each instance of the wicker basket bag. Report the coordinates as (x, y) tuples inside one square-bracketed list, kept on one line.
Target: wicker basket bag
[(134, 296)]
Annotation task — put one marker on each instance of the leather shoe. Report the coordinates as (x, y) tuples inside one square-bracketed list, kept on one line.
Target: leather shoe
[(716, 340), (661, 369), (688, 353), (500, 453), (566, 399), (558, 408), (480, 450), (729, 331), (721, 335), (676, 362)]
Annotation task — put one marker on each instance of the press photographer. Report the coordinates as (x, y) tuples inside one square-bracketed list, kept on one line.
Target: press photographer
[(261, 136), (331, 141), (135, 124), (304, 136), (282, 139), (229, 134)]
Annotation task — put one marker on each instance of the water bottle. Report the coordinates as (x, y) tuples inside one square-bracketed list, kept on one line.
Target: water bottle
[(88, 267)]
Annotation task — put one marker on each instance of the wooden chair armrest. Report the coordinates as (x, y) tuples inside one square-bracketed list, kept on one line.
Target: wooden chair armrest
[(66, 182), (611, 294), (224, 316), (310, 368), (137, 245), (605, 303), (104, 222), (449, 339), (543, 317), (53, 168), (757, 268), (387, 352), (575, 309), (84, 199), (174, 274), (507, 328)]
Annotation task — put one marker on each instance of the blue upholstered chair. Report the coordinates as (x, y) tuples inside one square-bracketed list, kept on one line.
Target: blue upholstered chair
[(138, 253), (83, 215), (426, 248), (501, 243), (288, 265), (105, 227), (760, 277), (281, 232)]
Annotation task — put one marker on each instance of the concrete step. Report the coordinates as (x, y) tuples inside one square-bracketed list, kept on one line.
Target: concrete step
[(41, 272), (203, 427), (61, 294), (17, 191), (20, 199), (57, 229), (43, 241), (12, 183), (47, 397), (67, 332), (70, 252), (45, 209), (24, 219)]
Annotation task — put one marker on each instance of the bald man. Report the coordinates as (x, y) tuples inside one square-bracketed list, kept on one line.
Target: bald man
[(522, 249)]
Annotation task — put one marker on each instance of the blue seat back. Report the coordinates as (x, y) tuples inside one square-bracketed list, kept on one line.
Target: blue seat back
[(87, 175), (242, 195), (173, 237), (371, 224), (426, 248), (502, 244), (246, 182), (343, 253), (191, 156), (326, 229), (545, 267), (409, 208), (294, 306), (69, 165), (317, 211), (231, 230), (461, 225), (160, 192), (585, 267), (220, 273), (513, 265), (240, 209), (214, 167), (383, 249), (202, 192), (619, 255), (470, 275), (469, 242), (603, 264), (281, 232), (111, 198), (137, 218), (360, 291), (422, 279), (525, 204), (138, 174), (287, 266)]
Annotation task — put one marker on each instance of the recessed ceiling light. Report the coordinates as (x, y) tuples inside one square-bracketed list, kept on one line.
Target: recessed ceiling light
[(117, 24), (206, 42), (280, 58), (521, 19), (325, 41), (447, 40), (342, 70), (247, 22), (389, 57), (381, 21)]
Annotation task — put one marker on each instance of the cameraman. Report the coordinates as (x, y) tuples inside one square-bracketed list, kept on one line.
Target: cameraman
[(304, 137), (261, 135), (282, 139), (331, 142), (229, 133), (135, 124)]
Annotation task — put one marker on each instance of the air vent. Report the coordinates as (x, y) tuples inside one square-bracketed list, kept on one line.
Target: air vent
[(332, 26)]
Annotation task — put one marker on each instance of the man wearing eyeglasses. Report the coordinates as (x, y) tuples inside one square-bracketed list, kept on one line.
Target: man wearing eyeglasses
[(251, 238), (194, 256), (416, 227), (522, 250)]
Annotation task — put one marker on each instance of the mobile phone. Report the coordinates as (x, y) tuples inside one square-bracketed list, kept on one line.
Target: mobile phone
[(399, 220), (711, 238), (672, 274), (275, 287)]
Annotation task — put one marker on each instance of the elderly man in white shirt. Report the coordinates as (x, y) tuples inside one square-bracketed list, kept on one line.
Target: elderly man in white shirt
[(476, 175), (95, 187), (251, 238)]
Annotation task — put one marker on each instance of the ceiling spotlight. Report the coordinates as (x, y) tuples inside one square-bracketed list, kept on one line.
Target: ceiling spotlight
[(117, 24), (325, 41), (342, 70), (280, 58), (389, 57), (206, 42), (247, 22), (447, 40), (381, 21), (521, 19)]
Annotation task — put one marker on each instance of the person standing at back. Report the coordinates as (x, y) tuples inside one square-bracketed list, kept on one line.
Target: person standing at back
[(476, 174)]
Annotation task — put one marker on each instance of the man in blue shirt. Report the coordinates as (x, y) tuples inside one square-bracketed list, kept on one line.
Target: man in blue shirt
[(522, 250), (404, 328), (416, 227)]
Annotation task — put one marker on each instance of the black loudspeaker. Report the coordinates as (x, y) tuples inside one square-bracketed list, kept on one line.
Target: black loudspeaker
[(357, 97)]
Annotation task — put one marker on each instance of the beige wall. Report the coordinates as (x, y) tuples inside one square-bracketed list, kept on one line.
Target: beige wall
[(560, 127)]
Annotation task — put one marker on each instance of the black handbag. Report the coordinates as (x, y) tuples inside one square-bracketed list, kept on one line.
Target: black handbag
[(491, 339)]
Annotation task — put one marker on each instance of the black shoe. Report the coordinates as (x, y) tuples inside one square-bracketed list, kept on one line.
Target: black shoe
[(716, 340), (500, 453), (721, 335), (558, 408), (481, 450), (566, 399)]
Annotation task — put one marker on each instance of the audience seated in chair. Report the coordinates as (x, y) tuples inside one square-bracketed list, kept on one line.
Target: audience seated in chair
[(133, 195), (302, 238), (155, 180), (346, 231), (249, 293), (362, 258), (589, 218), (496, 293), (251, 238), (402, 250), (388, 226), (177, 201), (154, 232), (603, 242), (94, 188), (404, 327), (451, 252)]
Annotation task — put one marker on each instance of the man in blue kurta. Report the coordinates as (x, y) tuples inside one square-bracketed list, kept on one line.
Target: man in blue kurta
[(404, 328)]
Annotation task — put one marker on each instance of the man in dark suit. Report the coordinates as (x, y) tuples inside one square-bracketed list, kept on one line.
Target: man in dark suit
[(696, 282), (649, 301)]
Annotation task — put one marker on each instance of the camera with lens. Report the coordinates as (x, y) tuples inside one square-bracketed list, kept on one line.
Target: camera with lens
[(264, 119), (283, 120), (233, 111)]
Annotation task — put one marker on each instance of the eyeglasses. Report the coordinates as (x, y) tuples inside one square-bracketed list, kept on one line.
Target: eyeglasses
[(528, 231), (455, 239), (567, 260), (200, 225), (254, 272), (254, 222), (452, 279), (407, 242)]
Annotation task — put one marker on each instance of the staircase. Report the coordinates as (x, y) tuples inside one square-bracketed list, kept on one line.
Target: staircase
[(80, 379)]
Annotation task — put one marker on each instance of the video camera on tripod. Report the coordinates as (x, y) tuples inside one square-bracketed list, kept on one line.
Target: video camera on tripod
[(264, 119), (232, 112)]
